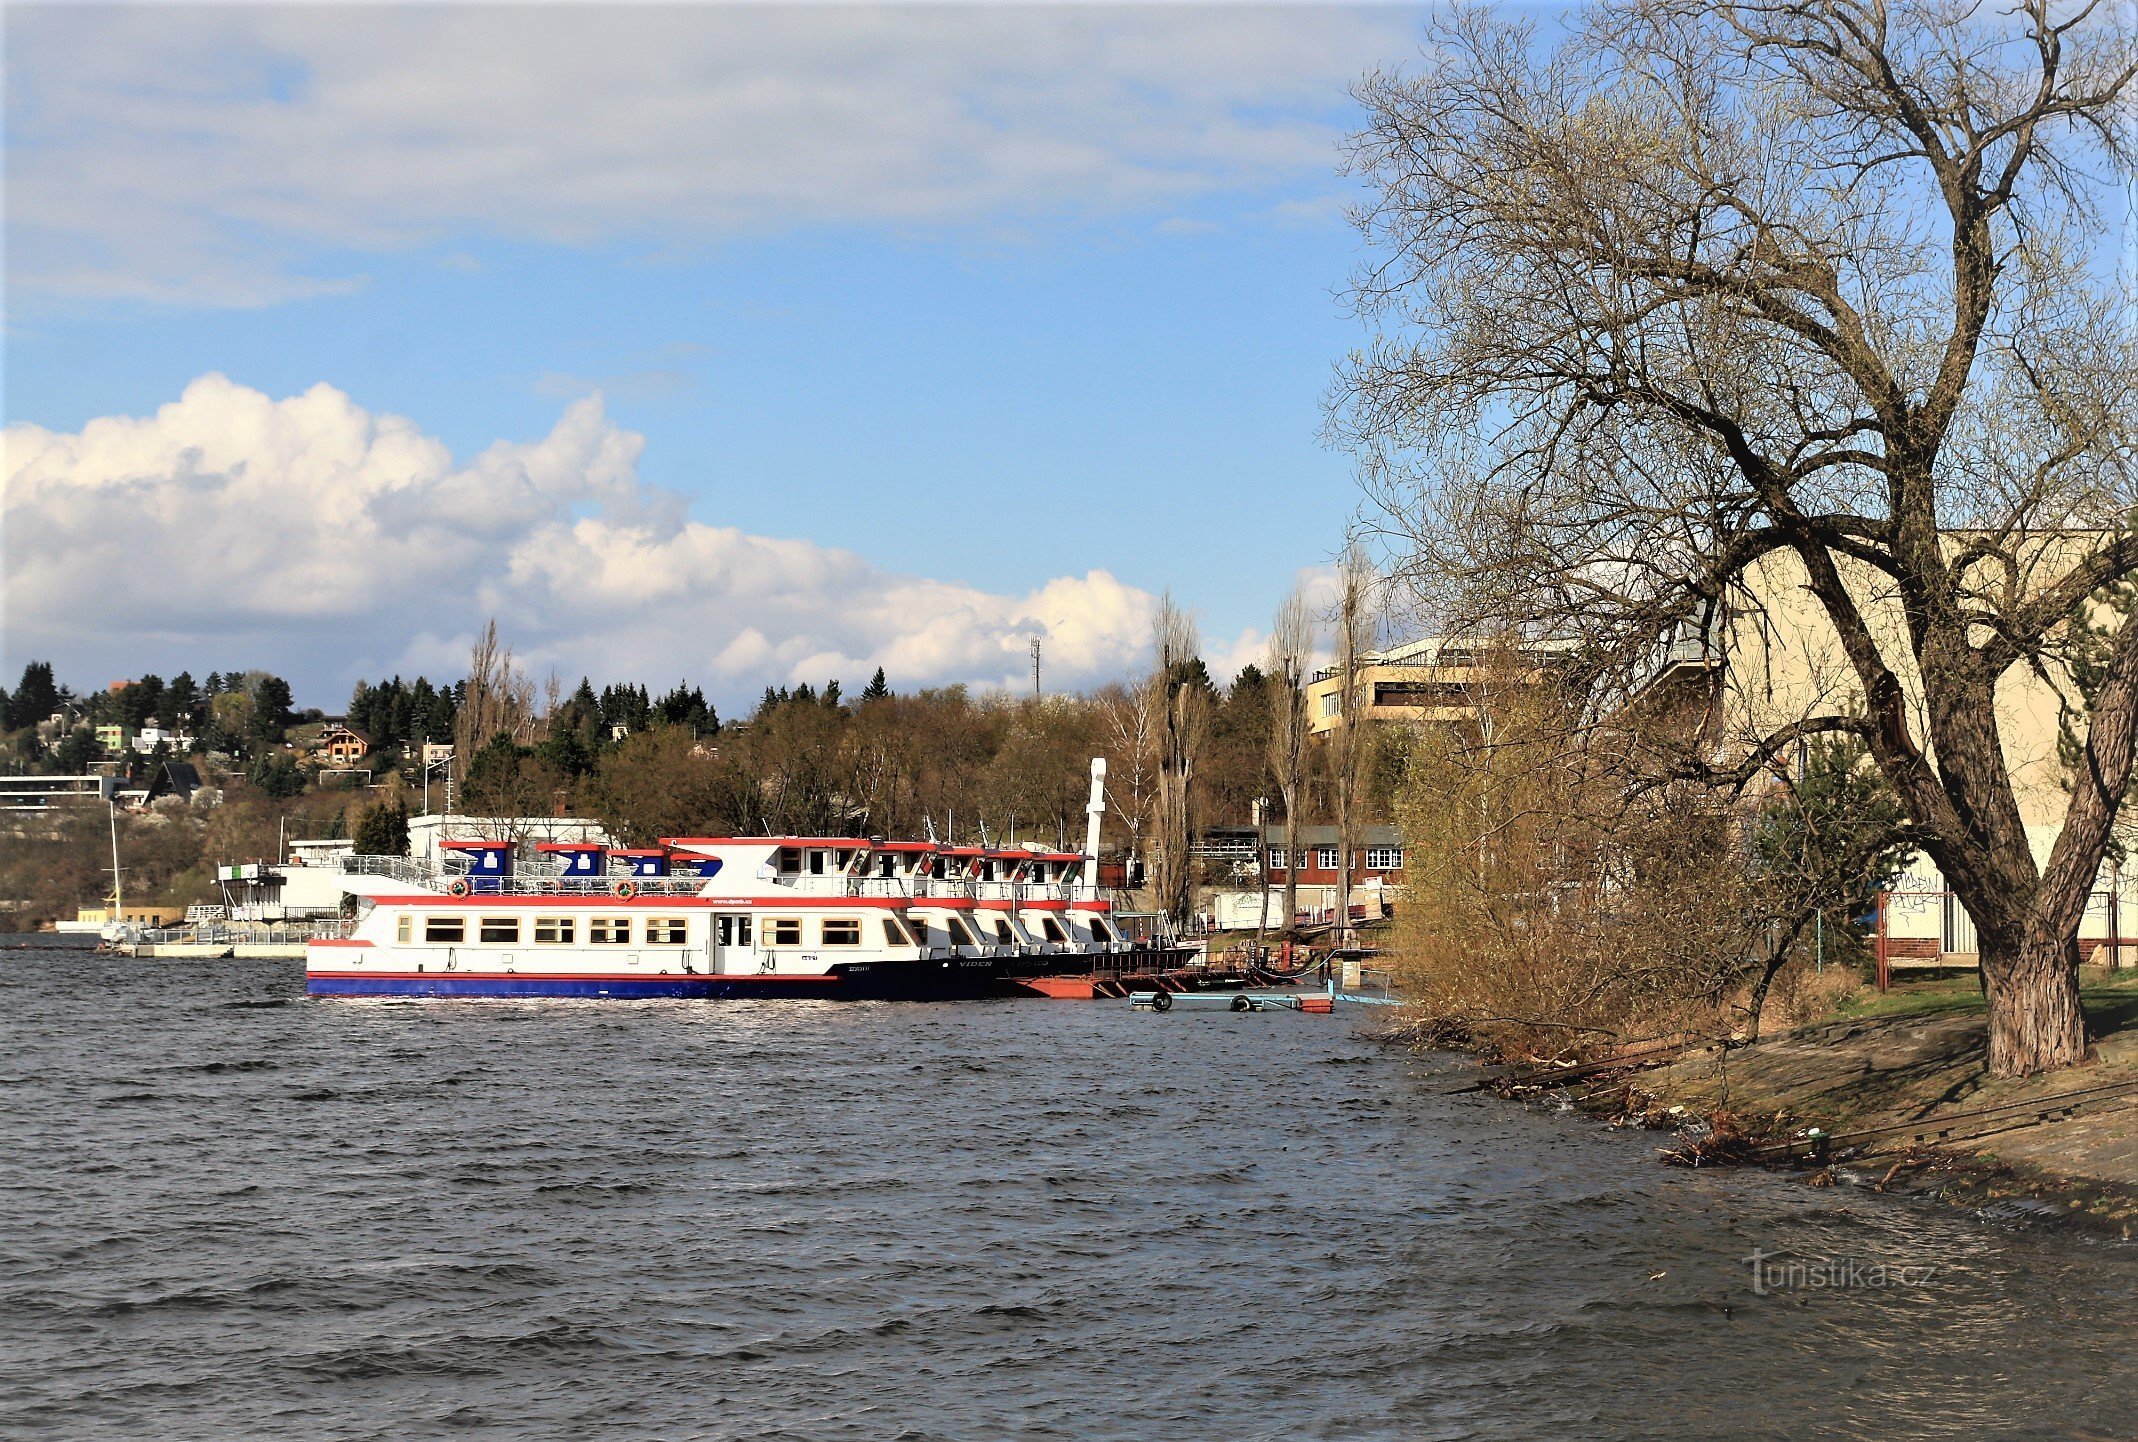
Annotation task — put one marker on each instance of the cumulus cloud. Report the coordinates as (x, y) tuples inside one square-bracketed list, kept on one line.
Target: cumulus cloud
[(234, 155), (313, 536)]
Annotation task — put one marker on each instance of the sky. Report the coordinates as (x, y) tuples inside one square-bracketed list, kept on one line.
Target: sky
[(739, 345)]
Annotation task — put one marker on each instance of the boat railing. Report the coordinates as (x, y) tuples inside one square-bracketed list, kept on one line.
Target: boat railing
[(524, 885), (1044, 891), (238, 934), (875, 886), (397, 868)]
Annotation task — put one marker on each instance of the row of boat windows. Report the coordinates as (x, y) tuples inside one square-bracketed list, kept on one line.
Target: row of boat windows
[(728, 931)]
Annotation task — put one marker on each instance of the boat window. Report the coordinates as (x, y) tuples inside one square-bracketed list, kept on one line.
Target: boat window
[(403, 927), (894, 932), (959, 936), (667, 930), (445, 928), (504, 929), (1003, 933), (783, 931), (790, 860), (1052, 928), (1101, 931), (557, 929), (609, 930), (816, 863), (843, 932)]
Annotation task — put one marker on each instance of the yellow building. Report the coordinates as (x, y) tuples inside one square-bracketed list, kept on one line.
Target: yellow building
[(1776, 658), (1434, 681)]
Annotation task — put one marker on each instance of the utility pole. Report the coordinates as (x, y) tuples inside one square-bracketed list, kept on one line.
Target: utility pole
[(1035, 668)]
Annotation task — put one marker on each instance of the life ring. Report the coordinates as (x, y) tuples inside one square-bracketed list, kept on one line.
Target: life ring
[(459, 888), (625, 890)]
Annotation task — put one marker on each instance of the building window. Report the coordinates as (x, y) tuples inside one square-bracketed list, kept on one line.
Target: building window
[(609, 931), (500, 929), (558, 930), (844, 931), (667, 930), (783, 931), (1326, 858), (445, 928), (1332, 704), (1384, 858), (894, 932), (1279, 858), (402, 928)]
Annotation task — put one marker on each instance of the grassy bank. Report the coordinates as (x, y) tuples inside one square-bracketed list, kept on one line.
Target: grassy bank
[(1907, 1067)]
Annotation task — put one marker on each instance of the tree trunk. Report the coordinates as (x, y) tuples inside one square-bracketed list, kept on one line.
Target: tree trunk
[(2035, 1022)]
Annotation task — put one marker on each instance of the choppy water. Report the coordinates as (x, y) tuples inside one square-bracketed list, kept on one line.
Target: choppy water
[(228, 1211)]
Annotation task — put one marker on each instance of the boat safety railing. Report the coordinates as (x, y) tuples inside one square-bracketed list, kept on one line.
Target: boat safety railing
[(398, 868), (875, 886), (525, 885), (228, 934)]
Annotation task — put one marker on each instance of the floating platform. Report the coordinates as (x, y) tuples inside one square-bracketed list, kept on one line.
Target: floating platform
[(1098, 985)]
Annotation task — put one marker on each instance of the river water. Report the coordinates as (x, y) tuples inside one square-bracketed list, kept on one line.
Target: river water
[(229, 1211)]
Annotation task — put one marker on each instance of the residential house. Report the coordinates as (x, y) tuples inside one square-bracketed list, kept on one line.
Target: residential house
[(342, 745), (154, 733)]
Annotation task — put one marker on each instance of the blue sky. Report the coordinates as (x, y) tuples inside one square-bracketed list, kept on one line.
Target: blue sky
[(904, 324)]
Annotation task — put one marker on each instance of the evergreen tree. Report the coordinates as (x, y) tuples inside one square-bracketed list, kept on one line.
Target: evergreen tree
[(181, 700), (270, 710), (276, 776), (831, 695), (76, 750), (382, 829), (36, 696), (877, 689)]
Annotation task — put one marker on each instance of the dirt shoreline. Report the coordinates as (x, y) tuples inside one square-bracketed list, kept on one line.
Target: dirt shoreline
[(1907, 1068)]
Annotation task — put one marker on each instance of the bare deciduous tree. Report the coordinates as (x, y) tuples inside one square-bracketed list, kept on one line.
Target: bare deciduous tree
[(500, 698), (1291, 646), (1356, 619), (1180, 718), (1710, 287)]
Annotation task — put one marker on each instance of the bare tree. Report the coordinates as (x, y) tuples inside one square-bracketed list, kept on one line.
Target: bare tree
[(1804, 284), (1356, 619), (1291, 647), (500, 699), (1179, 707), (1131, 758)]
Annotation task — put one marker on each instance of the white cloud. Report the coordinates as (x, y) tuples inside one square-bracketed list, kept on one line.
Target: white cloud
[(315, 537), (236, 155)]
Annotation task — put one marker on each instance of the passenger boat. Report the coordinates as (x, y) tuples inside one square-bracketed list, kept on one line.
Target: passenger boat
[(826, 917)]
